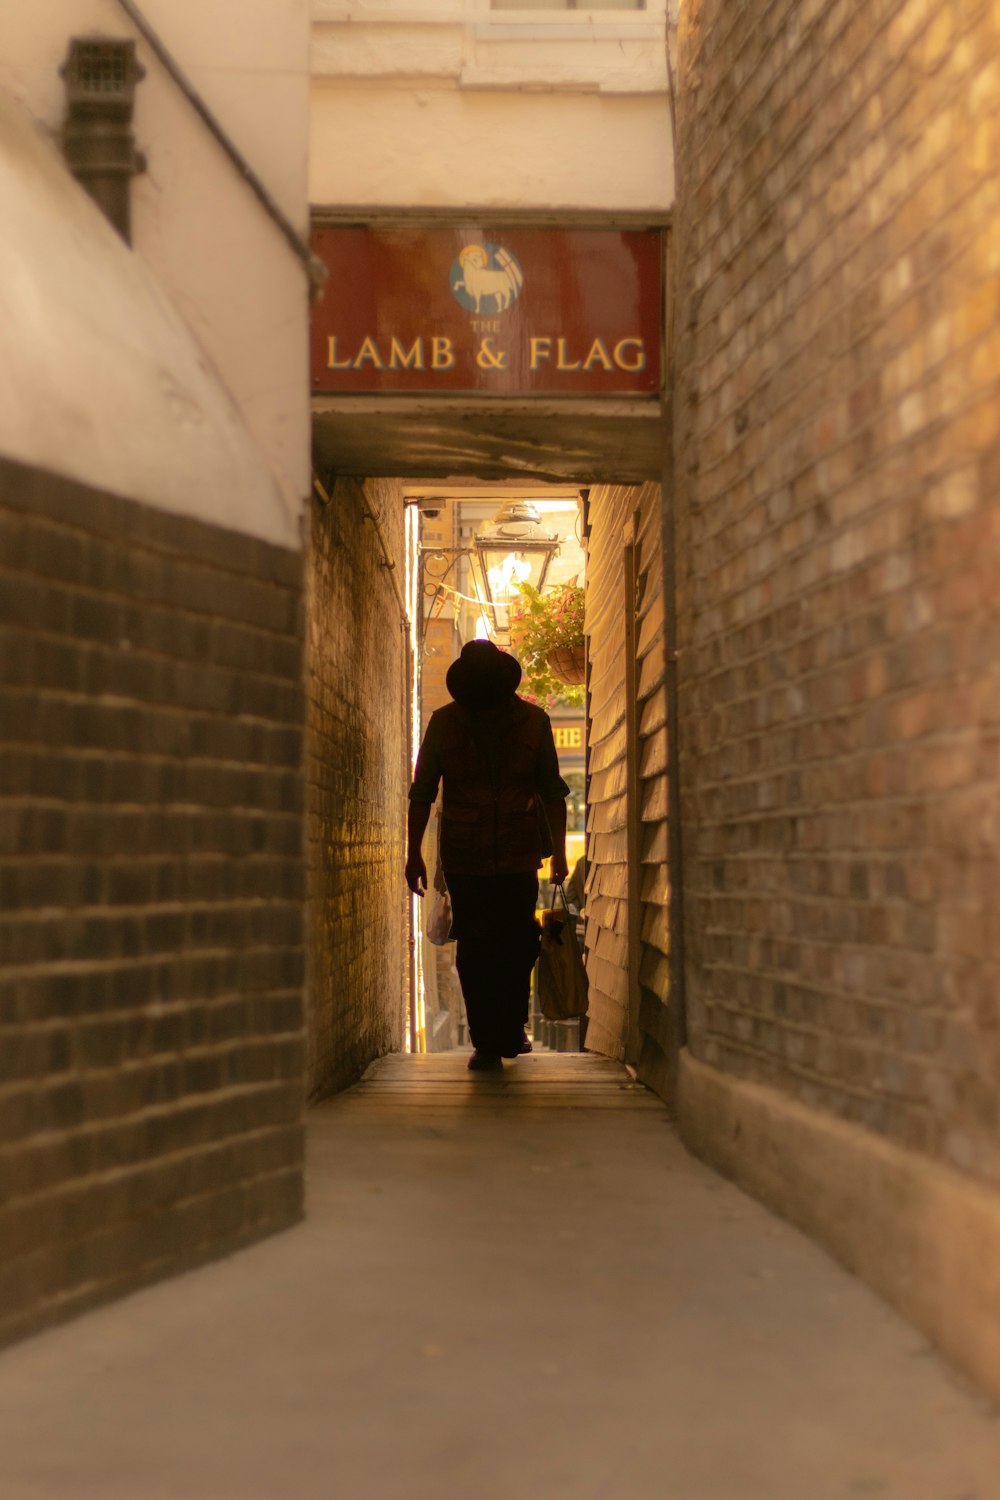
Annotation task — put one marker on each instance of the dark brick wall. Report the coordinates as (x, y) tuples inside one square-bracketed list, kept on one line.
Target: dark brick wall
[(151, 879), (358, 774), (837, 427)]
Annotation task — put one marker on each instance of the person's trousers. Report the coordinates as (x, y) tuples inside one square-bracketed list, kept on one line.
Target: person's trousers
[(493, 920)]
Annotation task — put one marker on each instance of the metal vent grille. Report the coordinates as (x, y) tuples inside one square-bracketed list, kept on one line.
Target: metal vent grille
[(101, 74), (101, 68)]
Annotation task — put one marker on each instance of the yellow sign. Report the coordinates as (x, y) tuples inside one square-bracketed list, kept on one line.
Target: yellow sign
[(568, 736)]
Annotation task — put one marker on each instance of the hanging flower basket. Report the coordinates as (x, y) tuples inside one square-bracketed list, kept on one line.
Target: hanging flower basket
[(547, 637), (568, 663)]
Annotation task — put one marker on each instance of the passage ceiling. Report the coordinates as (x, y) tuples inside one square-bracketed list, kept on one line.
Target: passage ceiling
[(612, 441)]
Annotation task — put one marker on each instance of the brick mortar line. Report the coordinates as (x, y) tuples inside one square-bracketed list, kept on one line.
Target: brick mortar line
[(115, 1175), (155, 1063), (22, 799), (115, 965), (844, 354), (838, 809), (102, 698), (846, 663), (75, 752), (159, 549), (738, 15), (132, 1067), (925, 528), (855, 756), (891, 69), (832, 718), (115, 912), (82, 1297), (188, 811), (717, 45), (182, 561), (754, 105), (719, 968), (845, 758), (806, 592), (779, 648), (186, 1105), (36, 800), (853, 851), (836, 267), (829, 1081), (837, 855), (854, 946), (712, 248), (164, 606), (119, 862), (872, 1050), (897, 1009), (164, 1010), (807, 900), (112, 701), (174, 1206), (847, 355), (85, 645)]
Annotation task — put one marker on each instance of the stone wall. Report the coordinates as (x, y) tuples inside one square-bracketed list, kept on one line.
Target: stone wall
[(837, 427), (151, 878), (358, 773)]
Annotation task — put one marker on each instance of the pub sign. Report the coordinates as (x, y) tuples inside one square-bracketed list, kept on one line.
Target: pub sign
[(488, 310)]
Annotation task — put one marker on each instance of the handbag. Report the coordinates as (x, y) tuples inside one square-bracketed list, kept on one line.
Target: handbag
[(562, 978)]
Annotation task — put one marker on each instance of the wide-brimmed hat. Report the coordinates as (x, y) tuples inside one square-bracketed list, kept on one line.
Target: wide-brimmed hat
[(483, 675)]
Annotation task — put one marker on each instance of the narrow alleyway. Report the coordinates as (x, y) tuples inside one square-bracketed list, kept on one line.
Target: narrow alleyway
[(515, 1288)]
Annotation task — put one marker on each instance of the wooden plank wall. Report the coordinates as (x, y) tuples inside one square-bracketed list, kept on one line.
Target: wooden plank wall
[(620, 515), (654, 883), (609, 510)]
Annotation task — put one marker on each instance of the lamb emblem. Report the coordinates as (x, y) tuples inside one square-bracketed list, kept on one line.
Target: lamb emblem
[(485, 279)]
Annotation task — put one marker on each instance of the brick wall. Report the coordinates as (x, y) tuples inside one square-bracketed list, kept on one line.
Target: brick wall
[(151, 879), (358, 773), (837, 424)]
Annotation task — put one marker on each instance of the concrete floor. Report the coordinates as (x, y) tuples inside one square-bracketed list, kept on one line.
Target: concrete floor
[(515, 1288)]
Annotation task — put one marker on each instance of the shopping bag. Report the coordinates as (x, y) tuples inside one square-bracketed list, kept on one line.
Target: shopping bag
[(562, 978), (439, 918), (438, 926)]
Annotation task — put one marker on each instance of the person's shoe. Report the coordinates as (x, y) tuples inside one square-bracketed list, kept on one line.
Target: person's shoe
[(485, 1062), (526, 1046)]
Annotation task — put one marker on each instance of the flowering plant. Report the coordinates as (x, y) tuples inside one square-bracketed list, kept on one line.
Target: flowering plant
[(540, 623)]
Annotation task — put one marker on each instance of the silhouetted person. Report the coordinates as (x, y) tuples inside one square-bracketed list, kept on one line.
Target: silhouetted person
[(503, 810)]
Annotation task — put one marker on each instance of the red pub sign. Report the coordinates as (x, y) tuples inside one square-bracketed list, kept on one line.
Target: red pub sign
[(496, 311)]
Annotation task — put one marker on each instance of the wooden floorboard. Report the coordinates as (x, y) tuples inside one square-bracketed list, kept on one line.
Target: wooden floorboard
[(441, 1082)]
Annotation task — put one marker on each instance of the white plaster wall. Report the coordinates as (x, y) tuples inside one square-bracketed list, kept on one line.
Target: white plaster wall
[(222, 260), (447, 104), (100, 378)]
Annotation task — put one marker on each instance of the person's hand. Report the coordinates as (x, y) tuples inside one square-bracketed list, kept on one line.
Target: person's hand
[(416, 874), (558, 868)]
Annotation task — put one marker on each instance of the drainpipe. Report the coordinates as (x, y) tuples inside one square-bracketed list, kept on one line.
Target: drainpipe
[(101, 74)]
